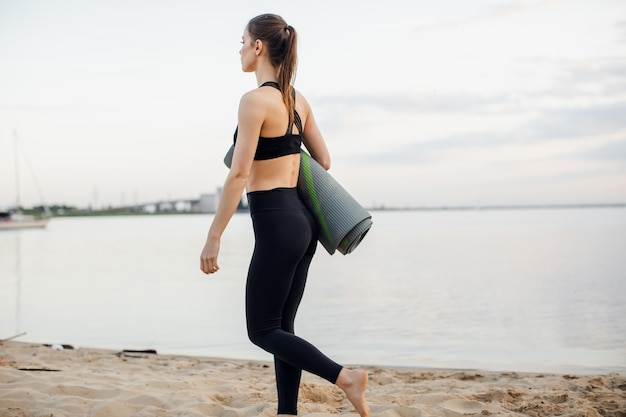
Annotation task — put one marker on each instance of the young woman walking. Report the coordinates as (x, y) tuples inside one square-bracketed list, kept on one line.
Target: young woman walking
[(274, 120)]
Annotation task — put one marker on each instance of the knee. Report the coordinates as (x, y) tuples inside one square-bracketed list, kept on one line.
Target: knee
[(256, 337)]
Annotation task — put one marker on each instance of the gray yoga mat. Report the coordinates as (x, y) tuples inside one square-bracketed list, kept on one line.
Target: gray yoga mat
[(341, 220)]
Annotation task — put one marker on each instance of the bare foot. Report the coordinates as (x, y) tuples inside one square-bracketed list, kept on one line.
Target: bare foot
[(353, 383)]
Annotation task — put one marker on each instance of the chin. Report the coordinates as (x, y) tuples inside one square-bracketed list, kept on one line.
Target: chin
[(246, 67)]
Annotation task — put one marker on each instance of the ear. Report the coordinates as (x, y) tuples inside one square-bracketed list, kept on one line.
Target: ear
[(258, 46)]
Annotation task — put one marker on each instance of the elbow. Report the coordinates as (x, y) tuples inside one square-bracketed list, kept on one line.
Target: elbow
[(324, 162), (238, 176)]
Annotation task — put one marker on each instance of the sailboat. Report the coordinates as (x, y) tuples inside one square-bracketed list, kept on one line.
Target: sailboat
[(15, 219), (12, 220)]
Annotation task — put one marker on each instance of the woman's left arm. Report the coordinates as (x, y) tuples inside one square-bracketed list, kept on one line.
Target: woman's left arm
[(313, 139)]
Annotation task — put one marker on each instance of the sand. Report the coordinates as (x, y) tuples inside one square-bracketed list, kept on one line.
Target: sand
[(36, 380)]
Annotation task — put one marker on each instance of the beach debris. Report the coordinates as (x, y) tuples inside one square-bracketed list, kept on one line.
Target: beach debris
[(132, 353), (12, 337), (61, 346), (39, 370)]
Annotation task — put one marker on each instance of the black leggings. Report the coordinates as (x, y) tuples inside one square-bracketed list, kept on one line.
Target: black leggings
[(285, 241)]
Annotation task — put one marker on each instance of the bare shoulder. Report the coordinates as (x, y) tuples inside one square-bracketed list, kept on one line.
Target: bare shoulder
[(262, 98), (255, 103), (252, 97), (302, 104), (300, 98)]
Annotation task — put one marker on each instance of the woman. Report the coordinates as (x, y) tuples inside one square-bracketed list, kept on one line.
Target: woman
[(265, 161)]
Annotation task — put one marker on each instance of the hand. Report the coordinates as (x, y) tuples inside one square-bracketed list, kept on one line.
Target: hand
[(208, 258)]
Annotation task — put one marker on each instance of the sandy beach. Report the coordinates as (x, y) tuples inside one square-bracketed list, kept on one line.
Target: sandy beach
[(37, 381)]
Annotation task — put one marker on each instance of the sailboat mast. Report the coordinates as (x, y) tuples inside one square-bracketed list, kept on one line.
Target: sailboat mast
[(17, 173), (17, 220)]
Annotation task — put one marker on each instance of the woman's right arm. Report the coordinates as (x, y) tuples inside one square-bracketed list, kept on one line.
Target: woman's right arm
[(250, 119)]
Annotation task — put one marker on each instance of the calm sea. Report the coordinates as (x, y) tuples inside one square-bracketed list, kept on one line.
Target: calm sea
[(515, 290)]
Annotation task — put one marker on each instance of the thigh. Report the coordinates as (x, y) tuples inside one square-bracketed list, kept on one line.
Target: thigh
[(282, 240)]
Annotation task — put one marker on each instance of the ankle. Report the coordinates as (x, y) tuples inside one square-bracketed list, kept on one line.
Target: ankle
[(348, 378)]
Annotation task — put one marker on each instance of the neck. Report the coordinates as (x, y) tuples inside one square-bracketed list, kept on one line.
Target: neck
[(265, 73)]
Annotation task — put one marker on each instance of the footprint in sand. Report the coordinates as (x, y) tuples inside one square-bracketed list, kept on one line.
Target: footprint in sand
[(464, 406)]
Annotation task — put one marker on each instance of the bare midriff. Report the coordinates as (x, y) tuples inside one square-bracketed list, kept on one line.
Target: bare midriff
[(274, 173)]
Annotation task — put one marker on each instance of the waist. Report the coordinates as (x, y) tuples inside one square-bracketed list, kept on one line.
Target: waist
[(274, 173), (281, 198)]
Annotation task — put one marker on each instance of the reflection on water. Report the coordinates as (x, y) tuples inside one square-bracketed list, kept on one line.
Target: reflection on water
[(18, 284), (515, 290), (12, 283)]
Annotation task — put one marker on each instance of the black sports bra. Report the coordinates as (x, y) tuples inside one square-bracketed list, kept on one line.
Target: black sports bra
[(288, 144)]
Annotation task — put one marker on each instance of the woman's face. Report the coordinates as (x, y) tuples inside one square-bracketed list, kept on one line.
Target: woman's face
[(247, 52)]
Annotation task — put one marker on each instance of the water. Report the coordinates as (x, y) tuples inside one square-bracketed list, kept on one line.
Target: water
[(515, 290)]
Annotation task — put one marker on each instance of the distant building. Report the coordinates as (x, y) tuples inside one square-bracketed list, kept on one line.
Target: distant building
[(208, 203)]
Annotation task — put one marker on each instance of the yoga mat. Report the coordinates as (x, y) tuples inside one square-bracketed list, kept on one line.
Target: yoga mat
[(341, 220)]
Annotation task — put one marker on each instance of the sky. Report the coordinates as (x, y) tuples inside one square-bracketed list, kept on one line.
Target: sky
[(422, 103)]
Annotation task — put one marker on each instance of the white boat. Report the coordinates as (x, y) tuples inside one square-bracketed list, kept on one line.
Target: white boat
[(14, 219), (11, 221)]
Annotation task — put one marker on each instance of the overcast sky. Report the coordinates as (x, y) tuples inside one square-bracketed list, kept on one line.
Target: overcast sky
[(422, 103)]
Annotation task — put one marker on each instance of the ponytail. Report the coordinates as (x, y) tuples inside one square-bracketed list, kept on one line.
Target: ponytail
[(281, 41)]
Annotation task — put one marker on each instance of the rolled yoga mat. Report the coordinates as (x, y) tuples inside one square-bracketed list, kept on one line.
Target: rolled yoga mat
[(341, 220)]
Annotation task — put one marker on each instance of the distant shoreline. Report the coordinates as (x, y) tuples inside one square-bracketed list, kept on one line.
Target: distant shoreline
[(65, 211), (502, 207)]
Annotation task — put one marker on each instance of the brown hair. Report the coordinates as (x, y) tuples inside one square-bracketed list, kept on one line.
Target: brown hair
[(281, 41)]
